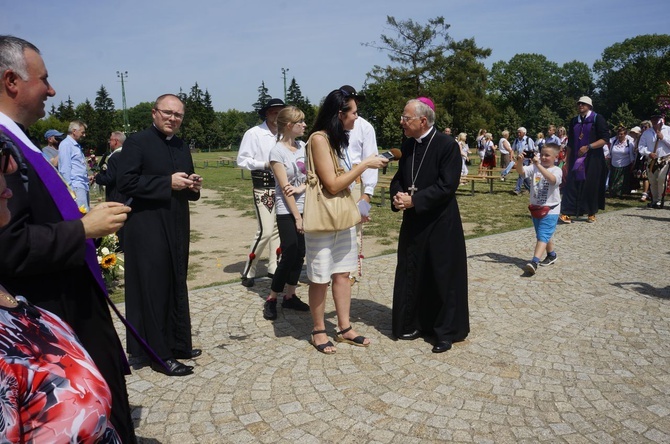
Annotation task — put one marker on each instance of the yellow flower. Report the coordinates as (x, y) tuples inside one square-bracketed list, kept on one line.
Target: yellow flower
[(108, 261)]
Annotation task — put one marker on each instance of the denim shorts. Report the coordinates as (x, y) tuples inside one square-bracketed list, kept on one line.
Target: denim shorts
[(545, 227)]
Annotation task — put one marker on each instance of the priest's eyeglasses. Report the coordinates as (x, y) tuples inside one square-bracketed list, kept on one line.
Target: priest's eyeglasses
[(408, 118), (168, 114)]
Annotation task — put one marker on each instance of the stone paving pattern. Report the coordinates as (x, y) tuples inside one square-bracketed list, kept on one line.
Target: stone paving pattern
[(578, 353)]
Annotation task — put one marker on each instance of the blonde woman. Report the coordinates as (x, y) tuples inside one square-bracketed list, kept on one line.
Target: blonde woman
[(505, 153), (287, 160), (465, 152)]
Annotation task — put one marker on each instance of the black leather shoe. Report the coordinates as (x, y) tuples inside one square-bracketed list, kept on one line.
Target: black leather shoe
[(188, 355), (441, 346), (175, 368), (410, 336), (248, 282)]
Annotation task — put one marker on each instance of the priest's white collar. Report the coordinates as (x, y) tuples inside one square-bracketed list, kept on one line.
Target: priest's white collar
[(424, 135)]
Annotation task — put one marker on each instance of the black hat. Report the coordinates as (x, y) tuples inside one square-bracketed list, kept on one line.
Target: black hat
[(271, 104), (350, 91)]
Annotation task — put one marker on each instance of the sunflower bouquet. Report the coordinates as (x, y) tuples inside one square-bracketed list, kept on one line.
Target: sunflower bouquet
[(110, 263)]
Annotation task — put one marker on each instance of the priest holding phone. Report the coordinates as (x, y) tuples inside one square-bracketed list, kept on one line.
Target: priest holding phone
[(156, 171), (430, 293)]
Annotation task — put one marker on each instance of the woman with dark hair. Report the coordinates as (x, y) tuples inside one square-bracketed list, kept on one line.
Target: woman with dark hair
[(331, 256)]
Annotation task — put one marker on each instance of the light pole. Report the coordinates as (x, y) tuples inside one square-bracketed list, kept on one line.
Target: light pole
[(126, 125), (283, 72)]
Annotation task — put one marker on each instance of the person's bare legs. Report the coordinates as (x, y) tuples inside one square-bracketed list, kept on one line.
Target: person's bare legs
[(541, 247), (342, 298), (317, 308)]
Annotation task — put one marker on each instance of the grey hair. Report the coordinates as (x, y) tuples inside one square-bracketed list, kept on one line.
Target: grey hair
[(120, 136), (423, 110), (74, 125), (12, 55)]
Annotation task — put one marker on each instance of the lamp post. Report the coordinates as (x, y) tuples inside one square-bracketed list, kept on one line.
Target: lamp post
[(126, 124), (283, 72)]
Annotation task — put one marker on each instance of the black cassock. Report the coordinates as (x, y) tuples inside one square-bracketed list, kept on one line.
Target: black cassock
[(156, 241), (431, 281), (42, 257), (586, 196)]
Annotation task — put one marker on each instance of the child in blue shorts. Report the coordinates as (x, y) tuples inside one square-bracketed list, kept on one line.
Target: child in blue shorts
[(545, 201)]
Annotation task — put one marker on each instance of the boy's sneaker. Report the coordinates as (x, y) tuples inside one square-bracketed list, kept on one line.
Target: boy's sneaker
[(270, 310), (548, 260), (531, 268), (293, 303)]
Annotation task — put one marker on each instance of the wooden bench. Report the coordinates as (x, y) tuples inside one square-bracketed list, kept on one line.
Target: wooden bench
[(384, 184), (490, 178), (228, 161), (231, 161)]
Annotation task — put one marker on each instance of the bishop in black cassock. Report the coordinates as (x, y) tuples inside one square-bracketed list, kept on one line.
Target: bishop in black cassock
[(430, 294), (156, 171)]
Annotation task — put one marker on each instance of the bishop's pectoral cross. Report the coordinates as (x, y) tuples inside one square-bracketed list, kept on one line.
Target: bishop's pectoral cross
[(412, 189)]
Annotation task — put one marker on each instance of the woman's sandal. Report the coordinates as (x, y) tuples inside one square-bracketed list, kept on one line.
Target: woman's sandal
[(322, 347), (358, 341)]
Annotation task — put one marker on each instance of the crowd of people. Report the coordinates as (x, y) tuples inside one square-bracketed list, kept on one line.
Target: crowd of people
[(52, 294), (54, 306), (586, 165)]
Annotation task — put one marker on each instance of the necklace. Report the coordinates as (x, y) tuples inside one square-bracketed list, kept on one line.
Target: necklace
[(412, 189)]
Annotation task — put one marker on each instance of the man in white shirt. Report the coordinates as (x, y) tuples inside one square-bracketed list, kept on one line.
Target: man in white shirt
[(362, 144), (254, 155), (655, 145)]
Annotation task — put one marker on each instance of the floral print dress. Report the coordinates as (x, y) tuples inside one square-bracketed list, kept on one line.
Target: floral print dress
[(50, 389)]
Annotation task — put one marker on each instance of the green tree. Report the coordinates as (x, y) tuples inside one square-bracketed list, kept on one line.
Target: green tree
[(294, 97), (509, 120), (234, 124), (527, 83), (139, 116), (105, 120), (546, 117), (413, 51), (458, 87), (623, 116), (263, 97), (199, 118), (635, 72), (65, 111)]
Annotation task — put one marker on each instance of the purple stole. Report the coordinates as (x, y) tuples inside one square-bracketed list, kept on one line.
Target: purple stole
[(69, 211), (581, 130)]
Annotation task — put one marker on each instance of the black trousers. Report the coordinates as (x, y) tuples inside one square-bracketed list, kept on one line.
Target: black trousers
[(292, 253)]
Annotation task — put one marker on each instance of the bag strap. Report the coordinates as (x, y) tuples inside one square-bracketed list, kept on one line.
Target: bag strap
[(310, 157)]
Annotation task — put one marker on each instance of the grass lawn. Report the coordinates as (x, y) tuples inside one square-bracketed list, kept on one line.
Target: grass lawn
[(482, 214)]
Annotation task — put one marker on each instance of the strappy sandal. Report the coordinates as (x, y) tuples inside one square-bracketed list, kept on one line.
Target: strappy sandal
[(322, 347), (358, 341)]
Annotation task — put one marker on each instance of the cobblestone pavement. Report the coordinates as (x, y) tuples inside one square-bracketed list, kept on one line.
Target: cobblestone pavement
[(577, 353)]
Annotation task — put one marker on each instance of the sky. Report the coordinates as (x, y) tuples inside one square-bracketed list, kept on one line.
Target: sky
[(230, 46)]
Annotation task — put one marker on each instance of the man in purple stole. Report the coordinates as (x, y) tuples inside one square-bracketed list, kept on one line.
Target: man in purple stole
[(586, 173), (47, 253)]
